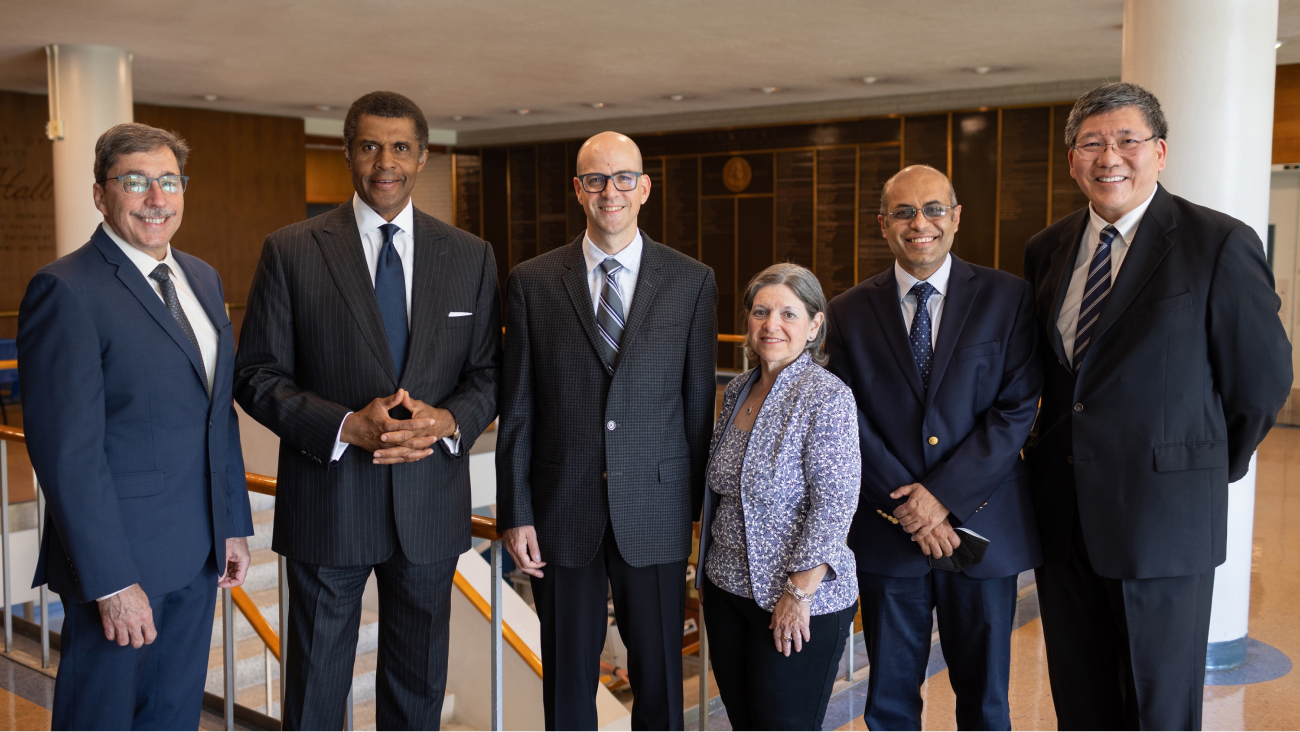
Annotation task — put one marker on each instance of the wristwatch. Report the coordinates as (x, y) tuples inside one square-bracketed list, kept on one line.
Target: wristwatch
[(456, 435), (799, 594)]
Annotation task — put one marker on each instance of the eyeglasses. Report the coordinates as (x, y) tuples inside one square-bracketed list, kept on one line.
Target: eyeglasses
[(930, 211), (1126, 147), (136, 184), (625, 180)]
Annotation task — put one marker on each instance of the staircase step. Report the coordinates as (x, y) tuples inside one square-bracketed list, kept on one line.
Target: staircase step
[(263, 526), (250, 664), (363, 714), (268, 603)]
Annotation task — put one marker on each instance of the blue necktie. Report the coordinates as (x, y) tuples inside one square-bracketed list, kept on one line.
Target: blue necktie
[(390, 291), (922, 350), (1094, 295)]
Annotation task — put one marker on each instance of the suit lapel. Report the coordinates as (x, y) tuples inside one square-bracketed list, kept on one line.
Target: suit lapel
[(575, 281), (884, 301), (428, 286), (648, 280), (130, 276), (962, 290), (1062, 266), (1148, 249), (340, 245)]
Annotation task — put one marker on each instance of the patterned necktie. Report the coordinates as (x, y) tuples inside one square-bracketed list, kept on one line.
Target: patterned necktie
[(162, 274), (609, 315), (1094, 295), (922, 350), (390, 291)]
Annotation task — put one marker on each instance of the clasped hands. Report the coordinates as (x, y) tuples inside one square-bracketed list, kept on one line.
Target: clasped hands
[(392, 441), (926, 519)]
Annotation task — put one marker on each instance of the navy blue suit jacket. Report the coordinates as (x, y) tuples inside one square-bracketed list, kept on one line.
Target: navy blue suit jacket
[(981, 404), (143, 473)]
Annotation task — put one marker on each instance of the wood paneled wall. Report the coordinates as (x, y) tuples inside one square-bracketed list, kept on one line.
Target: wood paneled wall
[(1286, 115), (812, 193), (247, 179)]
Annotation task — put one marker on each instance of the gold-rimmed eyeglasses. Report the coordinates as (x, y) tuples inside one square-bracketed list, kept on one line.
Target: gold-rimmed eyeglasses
[(1126, 147)]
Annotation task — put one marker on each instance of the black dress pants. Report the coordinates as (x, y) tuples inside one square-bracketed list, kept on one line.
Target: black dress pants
[(1124, 654), (324, 623), (761, 687), (650, 609)]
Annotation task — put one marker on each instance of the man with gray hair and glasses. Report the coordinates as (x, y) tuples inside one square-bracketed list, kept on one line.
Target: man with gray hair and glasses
[(1165, 365), (127, 358)]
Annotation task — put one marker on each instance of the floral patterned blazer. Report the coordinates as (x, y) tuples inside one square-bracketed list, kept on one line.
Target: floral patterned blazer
[(799, 484)]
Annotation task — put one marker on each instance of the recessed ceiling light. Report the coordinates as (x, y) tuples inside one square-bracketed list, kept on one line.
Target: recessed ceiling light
[(523, 111), (1278, 44), (457, 117), (870, 79), (211, 97), (768, 89), (675, 97), (596, 105), (324, 107), (982, 70)]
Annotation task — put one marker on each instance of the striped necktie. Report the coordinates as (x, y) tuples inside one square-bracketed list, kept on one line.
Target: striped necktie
[(609, 315), (1094, 295), (162, 274)]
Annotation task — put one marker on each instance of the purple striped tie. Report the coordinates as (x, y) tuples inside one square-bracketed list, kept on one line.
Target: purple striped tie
[(609, 315)]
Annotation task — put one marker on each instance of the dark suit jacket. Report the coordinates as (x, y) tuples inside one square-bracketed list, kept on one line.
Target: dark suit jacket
[(313, 348), (143, 473), (983, 395), (567, 423), (1187, 370)]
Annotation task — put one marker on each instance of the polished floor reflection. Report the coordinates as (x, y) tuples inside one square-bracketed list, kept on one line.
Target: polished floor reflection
[(1274, 620)]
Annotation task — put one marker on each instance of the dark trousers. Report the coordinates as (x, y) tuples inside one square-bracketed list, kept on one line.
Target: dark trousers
[(975, 619), (650, 609), (1124, 653), (324, 620), (761, 687), (102, 685)]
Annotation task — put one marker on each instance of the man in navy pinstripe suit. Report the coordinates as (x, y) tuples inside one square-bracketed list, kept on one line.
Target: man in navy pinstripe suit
[(371, 346)]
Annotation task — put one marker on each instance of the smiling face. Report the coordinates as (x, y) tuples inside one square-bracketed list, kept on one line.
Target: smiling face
[(919, 244), (384, 158), (779, 326), (147, 220), (1114, 183), (611, 214)]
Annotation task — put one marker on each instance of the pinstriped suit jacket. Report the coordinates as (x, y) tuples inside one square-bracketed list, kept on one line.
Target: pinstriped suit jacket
[(566, 423), (313, 348)]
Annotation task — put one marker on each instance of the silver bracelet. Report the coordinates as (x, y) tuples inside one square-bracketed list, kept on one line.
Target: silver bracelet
[(798, 594)]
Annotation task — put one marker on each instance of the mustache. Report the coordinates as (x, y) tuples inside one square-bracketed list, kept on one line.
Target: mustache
[(153, 212)]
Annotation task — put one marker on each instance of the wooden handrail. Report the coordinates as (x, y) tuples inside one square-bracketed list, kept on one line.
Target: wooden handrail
[(728, 338), (255, 619), (12, 434), (8, 363), (507, 632)]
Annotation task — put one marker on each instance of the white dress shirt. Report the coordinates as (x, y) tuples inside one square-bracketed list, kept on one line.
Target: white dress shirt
[(938, 280), (372, 241), (204, 331), (625, 278), (1127, 226)]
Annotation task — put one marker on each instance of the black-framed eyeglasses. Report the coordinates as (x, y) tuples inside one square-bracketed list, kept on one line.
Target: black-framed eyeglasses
[(624, 180), (1125, 147), (135, 184), (929, 210)]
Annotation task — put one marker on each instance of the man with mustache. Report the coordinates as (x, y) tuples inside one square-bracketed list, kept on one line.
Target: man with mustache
[(371, 346), (941, 356), (606, 412), (1165, 365), (126, 357)]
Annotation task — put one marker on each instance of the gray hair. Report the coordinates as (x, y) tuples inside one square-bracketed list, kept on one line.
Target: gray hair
[(884, 190), (806, 287), (133, 137), (1116, 95)]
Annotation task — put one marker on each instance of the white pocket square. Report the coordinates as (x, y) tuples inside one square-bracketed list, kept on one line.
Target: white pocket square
[(457, 315)]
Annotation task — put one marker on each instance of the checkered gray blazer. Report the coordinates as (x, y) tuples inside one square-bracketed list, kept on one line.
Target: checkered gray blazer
[(578, 446)]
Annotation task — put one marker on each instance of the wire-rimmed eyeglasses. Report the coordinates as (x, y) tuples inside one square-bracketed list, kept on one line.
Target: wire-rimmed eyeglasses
[(135, 184), (1126, 147), (929, 210)]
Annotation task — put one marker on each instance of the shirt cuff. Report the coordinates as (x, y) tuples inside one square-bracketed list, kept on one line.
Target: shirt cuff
[(453, 445), (339, 445), (105, 597)]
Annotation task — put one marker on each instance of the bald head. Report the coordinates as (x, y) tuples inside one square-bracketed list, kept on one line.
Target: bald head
[(606, 145), (610, 165), (912, 173)]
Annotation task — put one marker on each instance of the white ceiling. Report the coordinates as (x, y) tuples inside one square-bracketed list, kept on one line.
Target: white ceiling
[(483, 59)]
